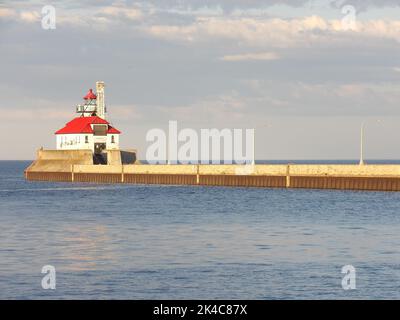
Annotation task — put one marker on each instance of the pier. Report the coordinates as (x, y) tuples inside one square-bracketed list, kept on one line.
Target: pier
[(307, 176)]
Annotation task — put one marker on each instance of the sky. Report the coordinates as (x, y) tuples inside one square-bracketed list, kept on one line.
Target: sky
[(303, 74)]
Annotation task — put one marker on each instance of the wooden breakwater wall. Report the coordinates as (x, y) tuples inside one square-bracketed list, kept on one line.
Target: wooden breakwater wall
[(341, 177)]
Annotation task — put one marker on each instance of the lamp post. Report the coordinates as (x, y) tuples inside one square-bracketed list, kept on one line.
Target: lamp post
[(253, 160), (362, 142)]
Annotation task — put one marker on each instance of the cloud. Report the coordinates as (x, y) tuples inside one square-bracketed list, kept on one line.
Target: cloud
[(211, 110), (7, 13), (251, 56), (293, 99), (96, 17), (120, 113), (275, 31), (363, 5), (226, 5), (348, 99), (101, 17), (131, 13), (125, 112), (29, 16), (38, 114)]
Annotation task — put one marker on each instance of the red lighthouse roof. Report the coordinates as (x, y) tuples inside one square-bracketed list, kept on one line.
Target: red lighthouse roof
[(90, 95), (83, 125), (113, 130)]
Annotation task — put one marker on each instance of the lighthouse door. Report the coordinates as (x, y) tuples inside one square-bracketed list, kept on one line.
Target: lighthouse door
[(99, 147)]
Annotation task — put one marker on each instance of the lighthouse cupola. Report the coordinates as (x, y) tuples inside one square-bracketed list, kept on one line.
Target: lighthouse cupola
[(89, 107), (93, 104)]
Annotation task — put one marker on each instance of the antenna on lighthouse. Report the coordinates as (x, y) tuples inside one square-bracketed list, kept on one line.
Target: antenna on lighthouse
[(101, 107)]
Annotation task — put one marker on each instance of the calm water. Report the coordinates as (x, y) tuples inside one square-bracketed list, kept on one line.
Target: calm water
[(173, 242)]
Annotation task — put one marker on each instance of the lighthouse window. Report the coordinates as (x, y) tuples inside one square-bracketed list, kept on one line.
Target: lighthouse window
[(100, 130), (86, 139), (112, 139)]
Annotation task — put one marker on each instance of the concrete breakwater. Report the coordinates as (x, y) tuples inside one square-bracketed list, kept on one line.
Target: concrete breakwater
[(310, 176)]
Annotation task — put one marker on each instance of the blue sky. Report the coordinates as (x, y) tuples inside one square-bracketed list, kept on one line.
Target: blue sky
[(286, 68)]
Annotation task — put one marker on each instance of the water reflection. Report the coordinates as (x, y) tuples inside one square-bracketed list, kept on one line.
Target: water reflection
[(86, 248)]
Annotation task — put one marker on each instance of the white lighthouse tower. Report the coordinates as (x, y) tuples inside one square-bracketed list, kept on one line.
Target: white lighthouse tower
[(90, 130), (101, 106)]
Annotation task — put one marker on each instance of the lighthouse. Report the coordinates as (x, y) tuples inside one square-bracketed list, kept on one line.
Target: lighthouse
[(89, 130)]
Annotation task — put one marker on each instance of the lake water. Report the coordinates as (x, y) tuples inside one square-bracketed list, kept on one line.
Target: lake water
[(181, 242)]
